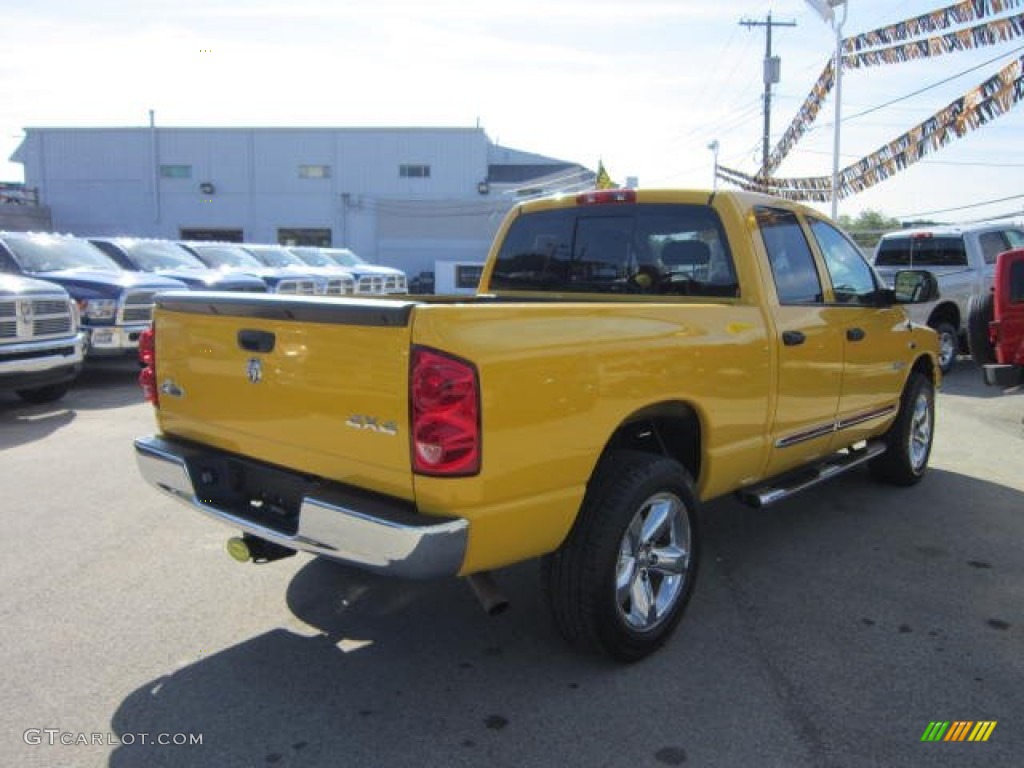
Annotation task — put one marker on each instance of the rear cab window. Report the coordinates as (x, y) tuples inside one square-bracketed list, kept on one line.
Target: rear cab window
[(629, 248), (921, 250)]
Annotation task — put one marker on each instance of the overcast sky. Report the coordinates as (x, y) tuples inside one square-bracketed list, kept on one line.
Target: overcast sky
[(644, 85)]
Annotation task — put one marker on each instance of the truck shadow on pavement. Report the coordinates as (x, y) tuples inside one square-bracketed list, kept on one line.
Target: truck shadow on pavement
[(21, 423), (852, 611)]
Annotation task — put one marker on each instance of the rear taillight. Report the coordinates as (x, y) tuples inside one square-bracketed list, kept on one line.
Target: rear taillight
[(444, 395), (147, 359)]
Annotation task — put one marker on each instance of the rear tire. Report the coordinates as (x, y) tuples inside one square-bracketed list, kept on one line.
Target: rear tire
[(909, 440), (949, 345), (47, 394), (979, 314), (621, 581)]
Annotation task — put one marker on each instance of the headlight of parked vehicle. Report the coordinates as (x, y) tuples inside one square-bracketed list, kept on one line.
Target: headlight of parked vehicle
[(98, 309), (76, 314)]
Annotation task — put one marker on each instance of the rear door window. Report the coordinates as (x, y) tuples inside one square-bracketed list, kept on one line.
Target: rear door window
[(992, 244), (667, 250), (796, 278)]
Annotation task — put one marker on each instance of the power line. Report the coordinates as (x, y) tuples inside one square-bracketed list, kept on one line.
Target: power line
[(959, 207), (933, 85), (971, 163)]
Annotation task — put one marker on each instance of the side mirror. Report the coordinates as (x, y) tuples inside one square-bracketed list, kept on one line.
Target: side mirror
[(915, 286)]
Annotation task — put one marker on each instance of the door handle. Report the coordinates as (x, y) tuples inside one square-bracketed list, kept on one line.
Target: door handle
[(793, 338), (256, 341), (855, 334)]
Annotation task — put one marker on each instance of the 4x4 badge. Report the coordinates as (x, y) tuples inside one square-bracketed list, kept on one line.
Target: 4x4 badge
[(254, 370)]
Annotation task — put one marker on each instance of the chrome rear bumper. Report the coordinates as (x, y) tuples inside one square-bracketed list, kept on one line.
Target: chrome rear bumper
[(368, 531)]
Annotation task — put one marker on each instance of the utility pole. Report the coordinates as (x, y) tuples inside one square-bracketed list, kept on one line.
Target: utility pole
[(772, 70)]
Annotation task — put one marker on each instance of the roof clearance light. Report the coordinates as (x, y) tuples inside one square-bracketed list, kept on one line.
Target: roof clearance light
[(605, 196)]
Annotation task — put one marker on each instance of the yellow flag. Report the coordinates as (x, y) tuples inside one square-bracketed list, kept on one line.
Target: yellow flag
[(603, 181)]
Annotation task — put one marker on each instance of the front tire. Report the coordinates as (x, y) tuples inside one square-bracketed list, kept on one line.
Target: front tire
[(909, 440), (621, 581)]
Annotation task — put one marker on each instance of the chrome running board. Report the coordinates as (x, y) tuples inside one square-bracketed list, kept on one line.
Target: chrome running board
[(782, 487)]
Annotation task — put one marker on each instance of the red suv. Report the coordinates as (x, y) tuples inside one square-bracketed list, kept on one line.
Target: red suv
[(996, 323)]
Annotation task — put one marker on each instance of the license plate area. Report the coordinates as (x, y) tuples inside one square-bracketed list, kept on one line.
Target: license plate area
[(255, 492)]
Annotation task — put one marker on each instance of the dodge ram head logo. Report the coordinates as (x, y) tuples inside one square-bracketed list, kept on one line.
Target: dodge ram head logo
[(23, 321), (254, 370)]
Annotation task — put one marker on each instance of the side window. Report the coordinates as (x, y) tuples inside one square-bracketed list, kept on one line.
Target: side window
[(992, 244), (1017, 282), (7, 264), (796, 279), (852, 279), (1016, 238)]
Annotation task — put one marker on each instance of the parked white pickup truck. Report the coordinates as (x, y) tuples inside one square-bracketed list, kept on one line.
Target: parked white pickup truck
[(41, 345), (963, 259)]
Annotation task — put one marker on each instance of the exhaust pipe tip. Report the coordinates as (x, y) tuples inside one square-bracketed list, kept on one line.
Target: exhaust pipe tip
[(238, 549), (246, 548), (491, 599)]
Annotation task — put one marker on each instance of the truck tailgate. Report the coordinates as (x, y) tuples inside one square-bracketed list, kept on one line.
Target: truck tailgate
[(315, 385)]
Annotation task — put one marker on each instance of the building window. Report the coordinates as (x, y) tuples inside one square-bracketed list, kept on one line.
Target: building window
[(414, 171), (176, 171), (294, 236), (314, 171)]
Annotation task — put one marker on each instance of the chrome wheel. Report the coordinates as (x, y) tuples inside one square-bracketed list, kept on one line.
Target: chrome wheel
[(949, 345), (920, 432), (947, 350), (653, 562)]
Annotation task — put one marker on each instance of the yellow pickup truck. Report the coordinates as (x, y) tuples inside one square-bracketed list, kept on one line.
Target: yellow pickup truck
[(629, 354)]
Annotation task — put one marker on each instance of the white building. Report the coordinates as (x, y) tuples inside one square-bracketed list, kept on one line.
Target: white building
[(404, 197)]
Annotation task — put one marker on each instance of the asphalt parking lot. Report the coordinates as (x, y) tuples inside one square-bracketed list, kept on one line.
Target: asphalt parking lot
[(827, 631)]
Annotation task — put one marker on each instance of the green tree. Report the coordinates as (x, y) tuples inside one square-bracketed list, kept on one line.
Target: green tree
[(868, 227)]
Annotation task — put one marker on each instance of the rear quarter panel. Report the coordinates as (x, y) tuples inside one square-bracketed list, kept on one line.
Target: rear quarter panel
[(556, 381)]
